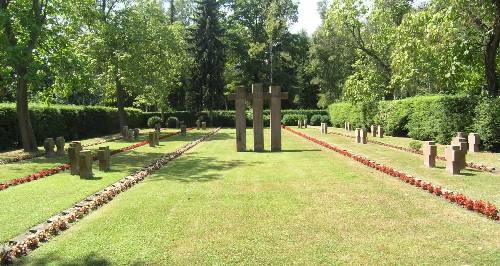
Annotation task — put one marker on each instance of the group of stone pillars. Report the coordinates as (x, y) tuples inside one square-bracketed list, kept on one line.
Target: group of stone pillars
[(455, 153), (361, 136), (130, 134), (201, 125), (257, 98), (302, 123), (81, 160), (49, 145), (375, 130)]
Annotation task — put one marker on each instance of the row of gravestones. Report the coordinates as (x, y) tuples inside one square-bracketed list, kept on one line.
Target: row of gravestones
[(81, 160), (375, 130), (303, 124), (130, 134), (49, 146), (455, 153)]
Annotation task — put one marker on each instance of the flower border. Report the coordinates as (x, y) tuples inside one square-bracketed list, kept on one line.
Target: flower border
[(55, 170), (480, 206), (23, 244)]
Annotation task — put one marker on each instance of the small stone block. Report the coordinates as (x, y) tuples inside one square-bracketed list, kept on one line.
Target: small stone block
[(364, 136), (453, 154), (430, 153), (358, 135), (204, 125), (157, 138), (60, 142), (86, 161), (305, 123), (104, 156), (198, 124), (380, 132), (474, 142), (151, 139), (124, 132), (373, 130), (299, 123), (48, 145)]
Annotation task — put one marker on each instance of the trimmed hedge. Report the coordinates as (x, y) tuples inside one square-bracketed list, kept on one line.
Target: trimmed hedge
[(437, 117), (78, 122)]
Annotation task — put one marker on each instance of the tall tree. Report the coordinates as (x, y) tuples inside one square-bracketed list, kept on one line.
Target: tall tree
[(23, 24), (208, 50)]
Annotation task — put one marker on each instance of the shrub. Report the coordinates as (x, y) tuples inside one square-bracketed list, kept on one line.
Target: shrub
[(415, 144), (487, 123), (172, 122), (316, 120), (153, 121), (292, 119), (325, 119), (394, 116)]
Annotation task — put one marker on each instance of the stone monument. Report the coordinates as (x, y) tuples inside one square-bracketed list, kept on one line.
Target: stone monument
[(104, 156), (474, 141), (86, 161), (73, 152), (60, 142), (452, 154), (430, 153), (48, 145)]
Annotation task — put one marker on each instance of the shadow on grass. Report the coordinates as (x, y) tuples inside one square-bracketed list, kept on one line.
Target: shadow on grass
[(89, 259)]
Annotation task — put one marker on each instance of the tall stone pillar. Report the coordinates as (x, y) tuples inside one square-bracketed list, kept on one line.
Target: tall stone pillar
[(430, 153), (104, 156), (258, 117), (86, 161), (275, 118), (241, 120), (73, 152)]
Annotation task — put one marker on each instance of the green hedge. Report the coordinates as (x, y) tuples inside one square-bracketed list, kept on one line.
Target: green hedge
[(436, 118), (77, 122)]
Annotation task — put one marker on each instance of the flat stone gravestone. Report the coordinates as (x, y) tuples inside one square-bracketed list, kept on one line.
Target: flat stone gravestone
[(373, 130), (73, 152), (151, 139), (474, 142), (204, 125), (48, 145), (430, 153), (324, 128), (276, 97), (104, 156), (364, 136), (240, 97), (258, 117), (86, 160), (136, 133), (60, 142), (452, 154), (380, 132)]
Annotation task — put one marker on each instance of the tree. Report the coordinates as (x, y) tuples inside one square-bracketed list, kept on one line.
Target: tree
[(208, 50)]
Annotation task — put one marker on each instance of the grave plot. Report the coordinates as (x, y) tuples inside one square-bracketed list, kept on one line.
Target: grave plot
[(304, 205), (473, 183), (26, 167), (31, 203)]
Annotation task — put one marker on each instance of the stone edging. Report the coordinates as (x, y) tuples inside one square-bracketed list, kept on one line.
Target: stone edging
[(55, 170), (476, 166), (31, 240), (486, 208)]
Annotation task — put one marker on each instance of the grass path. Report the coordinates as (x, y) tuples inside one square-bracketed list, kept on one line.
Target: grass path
[(301, 206), (473, 183), (487, 158), (29, 204), (20, 169)]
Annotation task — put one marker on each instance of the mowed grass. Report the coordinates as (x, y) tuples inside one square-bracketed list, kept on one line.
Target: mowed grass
[(304, 205), (473, 183), (23, 168), (487, 158), (29, 204)]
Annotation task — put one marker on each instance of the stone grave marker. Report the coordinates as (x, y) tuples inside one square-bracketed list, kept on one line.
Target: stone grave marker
[(305, 123), (453, 154), (157, 138), (183, 129), (60, 142), (324, 128), (130, 135), (136, 133), (151, 139), (357, 131), (241, 122), (48, 145), (204, 125), (299, 123), (461, 135), (198, 124), (276, 97), (373, 130), (125, 132), (430, 153), (474, 142), (364, 136), (86, 161), (73, 152), (258, 117), (380, 131), (104, 156)]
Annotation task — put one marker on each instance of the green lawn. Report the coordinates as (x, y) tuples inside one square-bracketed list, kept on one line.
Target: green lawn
[(487, 158), (473, 183), (23, 168), (304, 205), (28, 204)]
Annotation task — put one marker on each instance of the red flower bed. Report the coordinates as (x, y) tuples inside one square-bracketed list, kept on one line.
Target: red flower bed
[(64, 167), (479, 206)]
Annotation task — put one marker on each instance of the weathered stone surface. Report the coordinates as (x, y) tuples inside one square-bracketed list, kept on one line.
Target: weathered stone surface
[(151, 139), (241, 121), (73, 152), (380, 132), (349, 126), (358, 135), (299, 123), (258, 117), (373, 131), (453, 154), (125, 132), (364, 136), (198, 124), (430, 153), (157, 138), (130, 135), (158, 127), (85, 158), (305, 123), (60, 142), (474, 142), (136, 133), (104, 155), (204, 125), (183, 129), (48, 145), (324, 128), (276, 97), (461, 135)]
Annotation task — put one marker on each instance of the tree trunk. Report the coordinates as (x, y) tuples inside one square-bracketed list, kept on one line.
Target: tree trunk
[(120, 102), (491, 54), (23, 116)]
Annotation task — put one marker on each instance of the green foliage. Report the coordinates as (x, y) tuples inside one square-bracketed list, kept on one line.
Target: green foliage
[(153, 121), (487, 123), (394, 115), (172, 122), (315, 120), (292, 119), (415, 144), (325, 119)]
